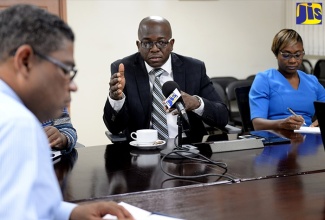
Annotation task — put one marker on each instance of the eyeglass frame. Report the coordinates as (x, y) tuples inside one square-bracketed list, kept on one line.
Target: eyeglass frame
[(155, 43), (66, 69), (290, 55)]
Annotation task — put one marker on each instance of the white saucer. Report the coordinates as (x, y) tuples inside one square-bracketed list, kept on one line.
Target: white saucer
[(147, 146)]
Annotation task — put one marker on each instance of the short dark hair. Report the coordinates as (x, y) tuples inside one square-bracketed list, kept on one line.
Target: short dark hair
[(283, 38), (27, 24)]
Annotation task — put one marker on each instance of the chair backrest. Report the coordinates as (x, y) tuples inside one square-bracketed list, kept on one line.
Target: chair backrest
[(224, 80), (221, 92), (319, 70), (231, 97), (242, 96), (230, 90), (306, 67), (251, 77)]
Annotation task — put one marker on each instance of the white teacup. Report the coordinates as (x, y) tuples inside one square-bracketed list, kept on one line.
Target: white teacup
[(145, 136)]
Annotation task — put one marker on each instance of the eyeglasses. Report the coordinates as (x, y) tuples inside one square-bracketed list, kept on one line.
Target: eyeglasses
[(159, 44), (288, 56), (70, 71)]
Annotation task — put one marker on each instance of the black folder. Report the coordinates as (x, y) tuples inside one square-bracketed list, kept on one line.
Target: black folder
[(269, 137)]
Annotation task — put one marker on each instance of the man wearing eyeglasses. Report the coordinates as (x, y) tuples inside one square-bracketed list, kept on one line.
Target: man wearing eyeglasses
[(283, 98), (36, 78), (129, 103)]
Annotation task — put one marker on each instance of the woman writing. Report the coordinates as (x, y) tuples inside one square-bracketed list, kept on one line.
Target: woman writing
[(275, 91)]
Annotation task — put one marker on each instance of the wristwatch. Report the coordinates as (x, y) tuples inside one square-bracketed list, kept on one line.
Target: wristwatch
[(199, 99)]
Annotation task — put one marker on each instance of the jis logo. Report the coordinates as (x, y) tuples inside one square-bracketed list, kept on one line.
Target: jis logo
[(171, 100), (309, 13)]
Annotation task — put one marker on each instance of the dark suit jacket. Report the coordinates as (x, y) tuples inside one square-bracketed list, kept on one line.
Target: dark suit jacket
[(188, 73)]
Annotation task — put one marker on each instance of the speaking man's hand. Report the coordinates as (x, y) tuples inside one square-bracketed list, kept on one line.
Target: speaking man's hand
[(117, 84)]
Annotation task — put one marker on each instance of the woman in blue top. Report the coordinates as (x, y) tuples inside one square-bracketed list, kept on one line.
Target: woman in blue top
[(275, 90)]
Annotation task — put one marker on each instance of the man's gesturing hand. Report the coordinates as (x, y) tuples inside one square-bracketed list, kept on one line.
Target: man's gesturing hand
[(117, 83)]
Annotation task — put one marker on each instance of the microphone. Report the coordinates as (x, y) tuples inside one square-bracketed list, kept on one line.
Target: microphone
[(171, 90), (174, 99)]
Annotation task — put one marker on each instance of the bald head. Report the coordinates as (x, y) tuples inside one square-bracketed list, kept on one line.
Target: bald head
[(155, 42), (154, 25)]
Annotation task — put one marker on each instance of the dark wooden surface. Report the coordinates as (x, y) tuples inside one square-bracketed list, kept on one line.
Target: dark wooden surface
[(116, 169), (294, 197), (96, 172), (304, 154)]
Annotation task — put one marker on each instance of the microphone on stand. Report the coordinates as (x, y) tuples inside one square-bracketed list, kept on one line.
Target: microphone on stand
[(171, 90)]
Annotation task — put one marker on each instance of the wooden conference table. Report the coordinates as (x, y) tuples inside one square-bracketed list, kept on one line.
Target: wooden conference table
[(122, 173)]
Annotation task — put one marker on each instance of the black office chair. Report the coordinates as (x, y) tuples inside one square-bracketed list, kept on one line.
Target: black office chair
[(306, 67), (220, 91), (251, 77), (319, 70), (234, 114), (242, 96), (223, 81), (229, 128)]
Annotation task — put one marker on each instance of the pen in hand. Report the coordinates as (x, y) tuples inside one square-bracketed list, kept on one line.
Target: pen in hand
[(292, 112)]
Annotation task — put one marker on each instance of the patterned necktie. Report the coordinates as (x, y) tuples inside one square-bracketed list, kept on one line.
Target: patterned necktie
[(159, 121)]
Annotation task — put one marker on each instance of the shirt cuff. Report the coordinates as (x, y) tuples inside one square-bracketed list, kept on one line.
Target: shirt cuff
[(64, 211), (116, 104), (70, 144), (200, 109)]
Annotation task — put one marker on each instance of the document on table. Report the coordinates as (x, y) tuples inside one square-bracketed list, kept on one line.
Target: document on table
[(314, 130), (140, 214)]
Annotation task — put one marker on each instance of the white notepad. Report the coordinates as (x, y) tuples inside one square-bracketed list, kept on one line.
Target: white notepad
[(56, 156), (313, 130), (140, 214)]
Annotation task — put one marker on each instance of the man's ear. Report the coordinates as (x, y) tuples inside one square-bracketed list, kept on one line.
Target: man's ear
[(172, 41), (23, 59), (138, 45)]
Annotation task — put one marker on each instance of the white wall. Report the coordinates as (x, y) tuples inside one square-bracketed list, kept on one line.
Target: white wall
[(232, 38)]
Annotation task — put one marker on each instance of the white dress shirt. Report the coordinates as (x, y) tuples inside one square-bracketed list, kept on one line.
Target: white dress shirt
[(29, 188)]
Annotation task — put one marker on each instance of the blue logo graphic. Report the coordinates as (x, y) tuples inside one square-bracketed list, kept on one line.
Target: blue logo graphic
[(309, 13), (171, 100)]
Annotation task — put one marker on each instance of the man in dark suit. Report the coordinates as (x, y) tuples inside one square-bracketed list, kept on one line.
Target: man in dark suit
[(129, 104)]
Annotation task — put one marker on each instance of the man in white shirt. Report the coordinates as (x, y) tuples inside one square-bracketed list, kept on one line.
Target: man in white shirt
[(36, 78)]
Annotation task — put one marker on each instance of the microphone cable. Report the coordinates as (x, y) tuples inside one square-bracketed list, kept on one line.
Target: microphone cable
[(178, 150), (187, 180)]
